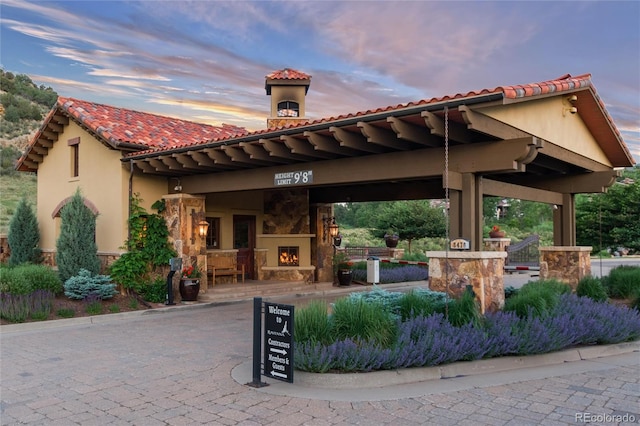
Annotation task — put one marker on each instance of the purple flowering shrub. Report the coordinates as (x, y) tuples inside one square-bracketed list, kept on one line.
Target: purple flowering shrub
[(395, 274), (432, 340)]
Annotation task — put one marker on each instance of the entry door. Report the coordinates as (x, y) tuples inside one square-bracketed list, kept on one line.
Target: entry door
[(244, 240)]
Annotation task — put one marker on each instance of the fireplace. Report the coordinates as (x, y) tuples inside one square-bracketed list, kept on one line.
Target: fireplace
[(288, 256)]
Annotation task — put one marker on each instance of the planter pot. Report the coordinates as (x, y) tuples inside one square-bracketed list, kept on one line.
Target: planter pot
[(189, 289), (345, 276), (391, 242), (496, 234)]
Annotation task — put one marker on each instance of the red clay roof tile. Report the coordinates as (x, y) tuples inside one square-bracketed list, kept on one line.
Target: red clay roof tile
[(288, 74), (119, 125)]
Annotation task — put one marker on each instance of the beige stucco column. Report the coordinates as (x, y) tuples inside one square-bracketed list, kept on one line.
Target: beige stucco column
[(451, 272), (182, 235), (567, 264)]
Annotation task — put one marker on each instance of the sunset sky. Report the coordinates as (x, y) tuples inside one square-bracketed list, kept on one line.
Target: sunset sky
[(206, 61)]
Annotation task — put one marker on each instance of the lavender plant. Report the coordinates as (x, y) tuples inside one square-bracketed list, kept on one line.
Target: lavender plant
[(14, 307), (41, 304), (433, 340)]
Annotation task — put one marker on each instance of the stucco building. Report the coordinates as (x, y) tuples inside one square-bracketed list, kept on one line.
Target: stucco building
[(267, 195)]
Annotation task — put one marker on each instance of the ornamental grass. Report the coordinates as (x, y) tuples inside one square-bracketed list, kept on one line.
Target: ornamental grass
[(428, 339)]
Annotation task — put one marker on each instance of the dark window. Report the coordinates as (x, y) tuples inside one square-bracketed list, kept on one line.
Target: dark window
[(213, 233), (75, 156), (288, 109)]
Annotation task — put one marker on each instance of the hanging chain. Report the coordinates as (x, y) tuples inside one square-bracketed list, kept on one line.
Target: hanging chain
[(446, 174), (446, 205)]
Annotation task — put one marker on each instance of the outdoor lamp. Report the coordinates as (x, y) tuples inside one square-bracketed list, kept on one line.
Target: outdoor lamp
[(330, 227), (199, 225)]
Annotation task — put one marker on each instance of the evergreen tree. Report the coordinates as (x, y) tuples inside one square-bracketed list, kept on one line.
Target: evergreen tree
[(76, 247), (24, 236)]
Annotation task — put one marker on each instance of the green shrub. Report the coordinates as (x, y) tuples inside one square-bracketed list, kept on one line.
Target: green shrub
[(155, 292), (13, 282), (76, 247), (114, 309), (592, 288), (623, 282), (463, 310), (41, 277), (538, 296), (85, 284), (363, 321), (24, 235), (26, 278), (66, 313), (415, 257), (133, 303), (94, 308), (312, 323), (510, 291), (414, 304)]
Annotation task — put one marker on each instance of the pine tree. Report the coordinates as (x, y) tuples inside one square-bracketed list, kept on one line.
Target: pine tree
[(24, 236), (76, 247)]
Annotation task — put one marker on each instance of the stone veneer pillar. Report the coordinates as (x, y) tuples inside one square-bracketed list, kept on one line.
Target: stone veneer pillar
[(568, 264), (483, 270), (178, 217), (496, 244)]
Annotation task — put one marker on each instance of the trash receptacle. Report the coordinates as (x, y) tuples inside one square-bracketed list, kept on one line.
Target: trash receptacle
[(373, 270)]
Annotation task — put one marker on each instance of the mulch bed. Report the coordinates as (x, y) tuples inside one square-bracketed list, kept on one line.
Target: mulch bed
[(119, 303)]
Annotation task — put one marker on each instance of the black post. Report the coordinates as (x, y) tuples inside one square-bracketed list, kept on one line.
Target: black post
[(257, 343), (170, 288)]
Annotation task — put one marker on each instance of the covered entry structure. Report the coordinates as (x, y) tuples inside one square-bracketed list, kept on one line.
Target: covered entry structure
[(542, 142)]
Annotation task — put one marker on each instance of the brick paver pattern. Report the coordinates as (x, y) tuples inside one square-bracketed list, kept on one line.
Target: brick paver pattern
[(175, 369)]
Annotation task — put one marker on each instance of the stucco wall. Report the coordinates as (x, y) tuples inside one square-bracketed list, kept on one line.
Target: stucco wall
[(550, 119), (103, 180), (226, 205)]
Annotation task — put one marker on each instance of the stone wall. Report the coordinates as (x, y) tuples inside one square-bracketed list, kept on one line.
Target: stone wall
[(177, 215), (286, 212), (568, 264), (452, 272), (496, 244), (4, 249)]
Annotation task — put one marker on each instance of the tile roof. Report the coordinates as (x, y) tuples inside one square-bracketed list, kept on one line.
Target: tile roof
[(118, 125), (288, 74)]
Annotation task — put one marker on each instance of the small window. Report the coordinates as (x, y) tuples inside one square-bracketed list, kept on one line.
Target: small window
[(288, 109), (74, 144), (213, 233)]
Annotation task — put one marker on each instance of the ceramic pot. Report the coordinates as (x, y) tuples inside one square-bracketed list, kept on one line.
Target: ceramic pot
[(391, 242), (496, 234), (189, 289)]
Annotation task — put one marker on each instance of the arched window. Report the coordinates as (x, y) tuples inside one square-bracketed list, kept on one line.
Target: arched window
[(288, 109)]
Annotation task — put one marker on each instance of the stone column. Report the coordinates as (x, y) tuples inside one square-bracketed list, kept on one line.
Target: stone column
[(483, 270), (567, 264), (496, 244), (181, 231)]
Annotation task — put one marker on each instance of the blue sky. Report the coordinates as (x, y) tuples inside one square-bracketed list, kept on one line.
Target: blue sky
[(207, 60)]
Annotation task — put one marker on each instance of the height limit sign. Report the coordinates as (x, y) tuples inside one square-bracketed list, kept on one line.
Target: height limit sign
[(278, 341)]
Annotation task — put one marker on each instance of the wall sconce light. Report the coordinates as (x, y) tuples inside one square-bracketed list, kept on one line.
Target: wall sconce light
[(330, 227), (199, 225), (178, 187)]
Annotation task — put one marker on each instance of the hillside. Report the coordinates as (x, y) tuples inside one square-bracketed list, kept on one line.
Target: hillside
[(23, 105)]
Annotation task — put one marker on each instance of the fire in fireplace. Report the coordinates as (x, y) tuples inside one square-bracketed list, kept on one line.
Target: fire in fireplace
[(288, 256)]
